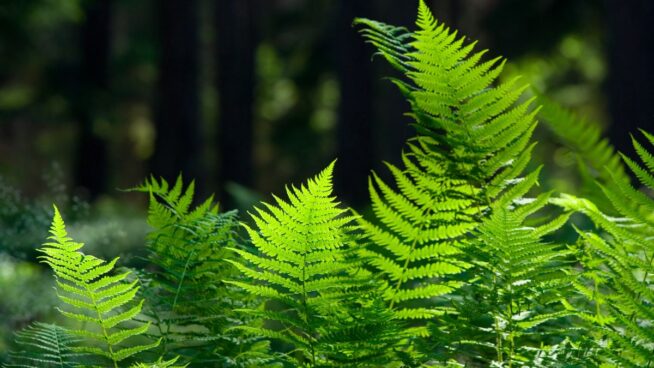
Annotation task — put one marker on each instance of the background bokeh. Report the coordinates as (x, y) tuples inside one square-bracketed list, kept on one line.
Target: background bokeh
[(247, 95)]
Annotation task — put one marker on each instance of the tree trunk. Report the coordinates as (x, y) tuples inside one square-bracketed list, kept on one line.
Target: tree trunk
[(394, 126), (631, 69), (91, 172), (178, 144), (236, 44), (354, 131)]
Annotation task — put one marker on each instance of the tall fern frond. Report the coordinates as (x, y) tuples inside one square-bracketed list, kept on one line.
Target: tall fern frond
[(189, 304), (45, 345), (620, 265), (472, 146), (95, 298), (303, 263)]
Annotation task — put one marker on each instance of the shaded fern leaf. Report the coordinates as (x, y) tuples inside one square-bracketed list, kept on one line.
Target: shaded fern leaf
[(320, 303), (509, 314), (190, 306), (472, 146), (94, 297), (584, 138), (619, 265), (45, 345)]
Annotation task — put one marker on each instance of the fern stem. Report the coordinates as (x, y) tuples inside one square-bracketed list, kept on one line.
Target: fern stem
[(406, 265)]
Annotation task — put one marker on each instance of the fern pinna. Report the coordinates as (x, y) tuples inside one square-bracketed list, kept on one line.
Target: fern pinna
[(303, 263), (190, 306), (97, 299), (618, 266)]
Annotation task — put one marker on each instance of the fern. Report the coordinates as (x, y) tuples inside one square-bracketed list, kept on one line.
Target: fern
[(584, 138), (472, 146), (302, 264), (508, 312), (45, 345), (160, 364), (94, 297), (190, 306), (619, 266)]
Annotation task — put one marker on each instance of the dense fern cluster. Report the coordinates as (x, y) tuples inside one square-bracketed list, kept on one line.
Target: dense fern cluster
[(457, 265)]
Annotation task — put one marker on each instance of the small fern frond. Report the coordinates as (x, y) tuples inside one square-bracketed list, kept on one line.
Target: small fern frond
[(190, 306), (45, 345), (95, 297), (619, 265), (302, 263)]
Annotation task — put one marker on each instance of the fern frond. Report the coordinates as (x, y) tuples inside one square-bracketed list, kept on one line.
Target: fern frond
[(45, 345), (302, 263), (94, 297), (472, 147), (584, 138), (190, 306), (621, 264)]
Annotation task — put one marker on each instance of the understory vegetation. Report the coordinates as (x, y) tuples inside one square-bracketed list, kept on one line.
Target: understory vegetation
[(458, 264)]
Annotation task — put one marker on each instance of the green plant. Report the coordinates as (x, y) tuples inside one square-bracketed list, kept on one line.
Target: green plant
[(45, 345), (95, 297), (190, 307), (304, 265), (458, 266), (619, 266)]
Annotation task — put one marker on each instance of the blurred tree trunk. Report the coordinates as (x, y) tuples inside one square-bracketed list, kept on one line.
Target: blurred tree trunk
[(91, 171), (236, 44), (631, 69), (178, 144), (394, 126), (355, 144)]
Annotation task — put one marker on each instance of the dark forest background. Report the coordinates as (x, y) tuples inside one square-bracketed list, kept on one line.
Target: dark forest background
[(247, 95)]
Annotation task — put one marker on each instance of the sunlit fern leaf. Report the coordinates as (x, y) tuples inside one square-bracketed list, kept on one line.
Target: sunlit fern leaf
[(472, 146), (189, 304), (95, 298), (160, 364), (303, 264), (45, 345)]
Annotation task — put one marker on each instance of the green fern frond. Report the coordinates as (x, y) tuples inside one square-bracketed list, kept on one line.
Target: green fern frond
[(94, 297), (619, 265), (584, 138), (45, 345), (472, 146), (190, 306), (302, 263)]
